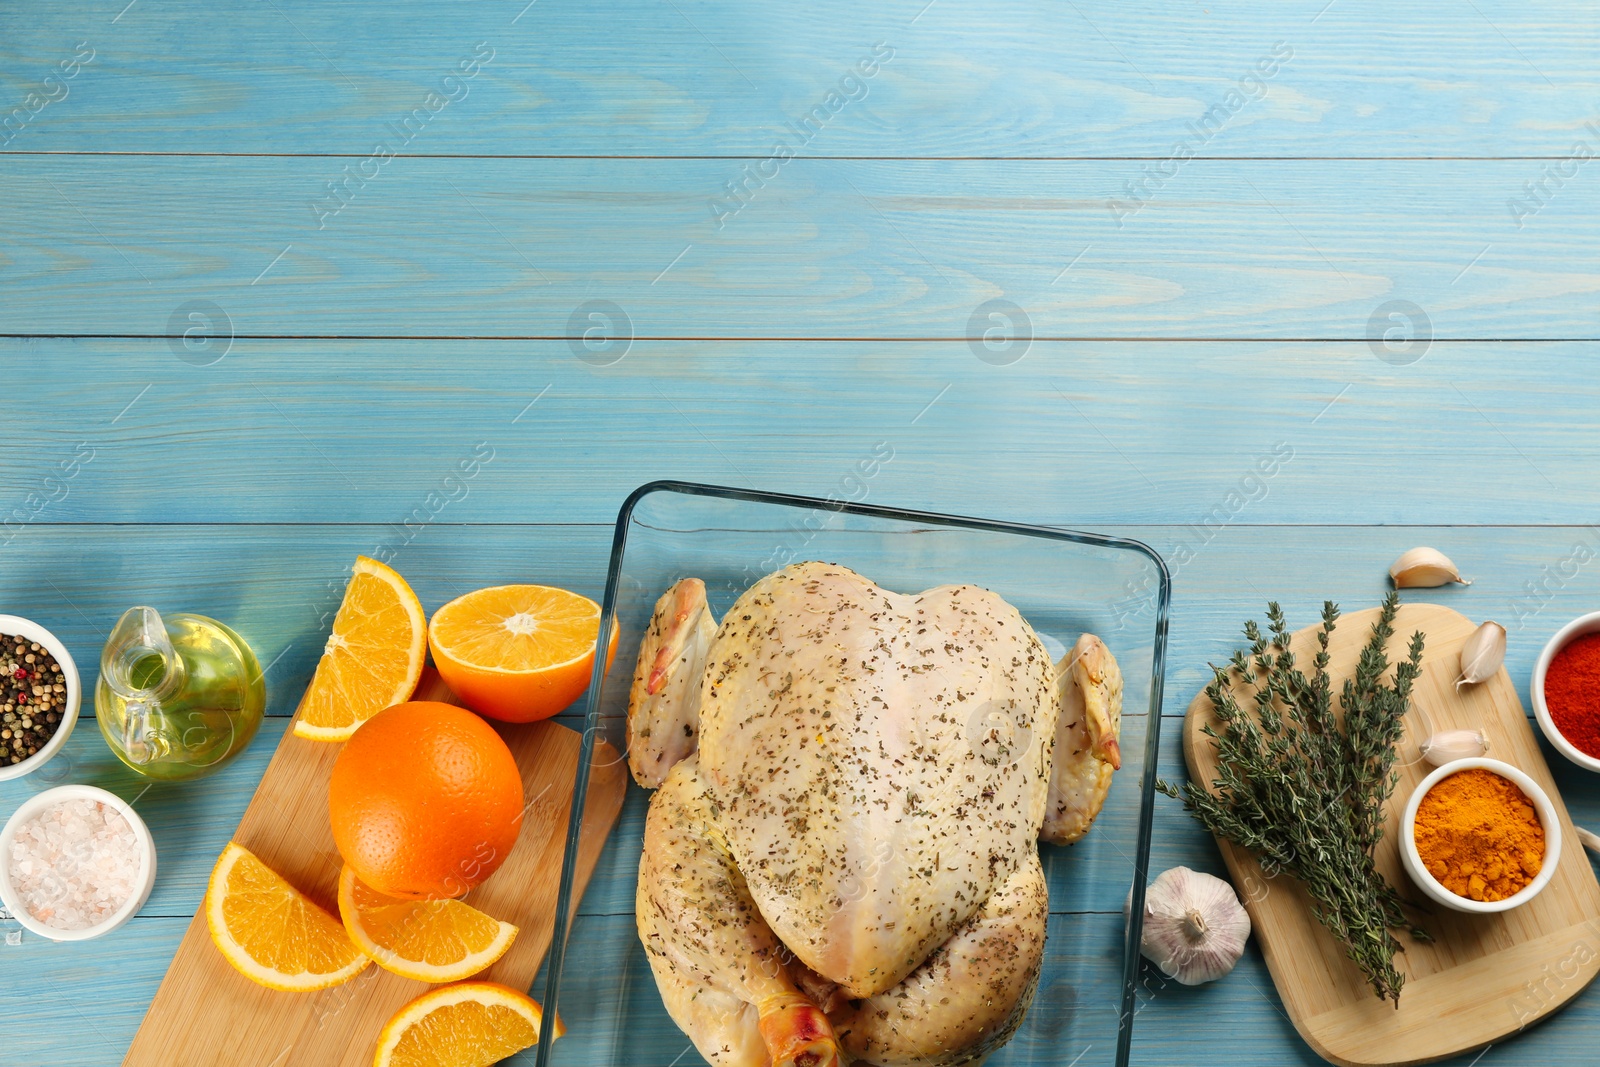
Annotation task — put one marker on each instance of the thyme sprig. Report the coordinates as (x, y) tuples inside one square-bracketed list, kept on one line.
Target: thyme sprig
[(1303, 788)]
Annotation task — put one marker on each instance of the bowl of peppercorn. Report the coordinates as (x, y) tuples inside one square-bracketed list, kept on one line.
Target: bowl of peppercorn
[(1566, 691), (39, 696)]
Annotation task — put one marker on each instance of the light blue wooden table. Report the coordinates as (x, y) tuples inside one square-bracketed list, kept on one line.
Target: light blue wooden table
[(268, 271)]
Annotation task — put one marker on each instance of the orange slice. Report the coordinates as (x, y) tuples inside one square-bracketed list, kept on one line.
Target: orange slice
[(469, 1024), (517, 652), (271, 932), (373, 658), (429, 940)]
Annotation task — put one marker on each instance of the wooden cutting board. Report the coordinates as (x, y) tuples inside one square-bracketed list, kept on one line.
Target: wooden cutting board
[(1485, 976), (206, 1014)]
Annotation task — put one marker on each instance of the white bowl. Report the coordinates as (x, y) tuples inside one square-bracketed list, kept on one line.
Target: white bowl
[(17, 626), (1433, 887), (1583, 624), (47, 799)]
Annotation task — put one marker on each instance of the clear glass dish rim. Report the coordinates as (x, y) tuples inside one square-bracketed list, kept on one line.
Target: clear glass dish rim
[(555, 960)]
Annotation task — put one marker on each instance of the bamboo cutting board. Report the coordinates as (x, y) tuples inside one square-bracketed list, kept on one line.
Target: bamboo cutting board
[(1485, 976), (207, 1015)]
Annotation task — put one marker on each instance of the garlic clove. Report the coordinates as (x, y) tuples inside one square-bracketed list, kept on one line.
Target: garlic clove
[(1482, 654), (1195, 928), (1447, 746), (1424, 568)]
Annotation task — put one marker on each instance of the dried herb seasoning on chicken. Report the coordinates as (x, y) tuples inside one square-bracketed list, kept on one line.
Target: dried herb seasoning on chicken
[(1303, 788), (840, 861)]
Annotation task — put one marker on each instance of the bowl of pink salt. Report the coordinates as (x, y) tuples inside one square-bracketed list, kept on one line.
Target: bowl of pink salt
[(75, 862)]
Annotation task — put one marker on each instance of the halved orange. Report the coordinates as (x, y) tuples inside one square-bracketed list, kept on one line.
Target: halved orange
[(429, 940), (517, 652), (373, 658), (272, 933), (469, 1024)]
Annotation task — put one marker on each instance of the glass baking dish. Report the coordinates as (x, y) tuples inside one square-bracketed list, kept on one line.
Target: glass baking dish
[(1063, 582)]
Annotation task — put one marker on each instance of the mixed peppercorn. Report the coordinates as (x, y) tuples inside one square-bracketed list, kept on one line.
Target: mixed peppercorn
[(33, 694)]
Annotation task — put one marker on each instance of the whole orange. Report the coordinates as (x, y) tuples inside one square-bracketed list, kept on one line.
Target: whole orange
[(425, 801)]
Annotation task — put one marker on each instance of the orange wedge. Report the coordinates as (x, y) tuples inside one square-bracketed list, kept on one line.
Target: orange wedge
[(469, 1024), (517, 652), (272, 933), (373, 658), (429, 940)]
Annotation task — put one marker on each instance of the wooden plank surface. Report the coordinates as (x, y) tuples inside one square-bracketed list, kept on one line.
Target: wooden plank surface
[(1008, 78), (1236, 1021), (857, 249), (271, 582), (1474, 983), (1487, 446), (1169, 431)]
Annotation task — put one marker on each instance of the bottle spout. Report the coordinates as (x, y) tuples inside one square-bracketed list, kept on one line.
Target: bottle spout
[(140, 665)]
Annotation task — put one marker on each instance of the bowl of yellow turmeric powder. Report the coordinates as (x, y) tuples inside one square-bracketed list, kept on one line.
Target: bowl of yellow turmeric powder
[(1478, 835)]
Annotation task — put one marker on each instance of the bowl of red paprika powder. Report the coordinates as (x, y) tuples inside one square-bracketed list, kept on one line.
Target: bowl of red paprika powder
[(1566, 691)]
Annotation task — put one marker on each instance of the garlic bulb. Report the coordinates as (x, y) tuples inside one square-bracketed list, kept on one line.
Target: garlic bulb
[(1424, 568), (1194, 926), (1447, 746), (1482, 654)]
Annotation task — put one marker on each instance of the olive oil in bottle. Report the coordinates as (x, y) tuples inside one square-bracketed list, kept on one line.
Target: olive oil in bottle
[(179, 696)]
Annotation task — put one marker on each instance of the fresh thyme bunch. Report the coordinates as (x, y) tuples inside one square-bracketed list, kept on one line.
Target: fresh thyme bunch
[(1305, 795)]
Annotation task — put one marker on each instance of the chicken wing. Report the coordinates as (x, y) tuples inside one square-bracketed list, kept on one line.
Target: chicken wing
[(1087, 742), (664, 704)]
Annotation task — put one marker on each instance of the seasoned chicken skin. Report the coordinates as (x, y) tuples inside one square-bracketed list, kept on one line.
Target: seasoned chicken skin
[(837, 726), (723, 976), (969, 997), (841, 862)]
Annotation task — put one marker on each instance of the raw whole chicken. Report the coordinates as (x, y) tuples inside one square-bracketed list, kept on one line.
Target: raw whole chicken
[(840, 861)]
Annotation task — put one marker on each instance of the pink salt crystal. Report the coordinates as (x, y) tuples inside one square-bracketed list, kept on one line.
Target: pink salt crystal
[(74, 865)]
